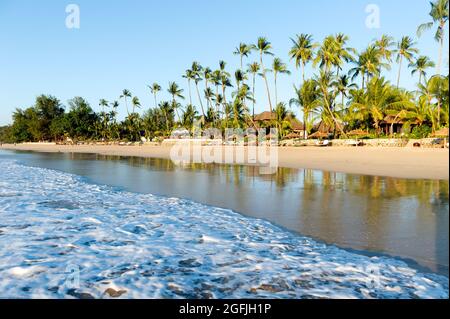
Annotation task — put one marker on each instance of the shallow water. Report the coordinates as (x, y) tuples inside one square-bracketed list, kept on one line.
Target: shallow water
[(404, 218), (63, 237)]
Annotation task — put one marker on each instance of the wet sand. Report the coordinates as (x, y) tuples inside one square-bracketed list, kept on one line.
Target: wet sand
[(377, 161)]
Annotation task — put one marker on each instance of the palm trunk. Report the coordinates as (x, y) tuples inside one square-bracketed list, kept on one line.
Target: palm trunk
[(303, 72), (126, 105), (276, 91), (224, 104), (363, 78), (441, 48), (399, 71), (190, 94), (253, 95), (305, 119), (156, 103), (200, 100), (267, 84)]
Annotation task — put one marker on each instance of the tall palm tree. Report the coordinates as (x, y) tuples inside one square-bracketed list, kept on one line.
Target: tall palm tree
[(278, 67), (369, 64), (306, 99), (326, 55), (405, 50), (343, 86), (103, 103), (343, 53), (207, 76), (196, 72), (420, 65), (385, 45), (136, 103), (176, 92), (263, 47), (253, 69), (190, 76), (439, 14), (302, 51), (225, 83), (126, 94), (243, 50), (155, 88)]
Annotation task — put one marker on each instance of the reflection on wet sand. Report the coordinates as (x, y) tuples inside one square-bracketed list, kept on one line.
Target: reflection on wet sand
[(400, 217)]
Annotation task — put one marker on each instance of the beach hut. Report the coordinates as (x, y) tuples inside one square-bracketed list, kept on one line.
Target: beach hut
[(319, 135), (358, 133)]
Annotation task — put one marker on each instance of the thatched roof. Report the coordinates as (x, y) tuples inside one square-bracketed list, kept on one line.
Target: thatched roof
[(265, 116), (297, 125), (319, 134), (391, 119), (441, 133), (292, 136)]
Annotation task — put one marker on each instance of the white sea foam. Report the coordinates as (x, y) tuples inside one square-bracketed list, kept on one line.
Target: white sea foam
[(61, 237)]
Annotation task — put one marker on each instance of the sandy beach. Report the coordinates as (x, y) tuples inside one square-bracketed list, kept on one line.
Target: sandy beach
[(392, 162)]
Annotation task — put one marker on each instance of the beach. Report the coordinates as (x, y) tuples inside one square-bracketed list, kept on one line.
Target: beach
[(400, 162)]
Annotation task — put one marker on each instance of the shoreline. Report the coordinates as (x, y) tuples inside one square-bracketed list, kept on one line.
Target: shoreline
[(398, 162)]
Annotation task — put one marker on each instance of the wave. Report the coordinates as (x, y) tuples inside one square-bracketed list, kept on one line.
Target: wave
[(61, 237)]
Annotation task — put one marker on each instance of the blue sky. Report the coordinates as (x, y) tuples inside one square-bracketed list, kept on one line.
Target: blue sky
[(130, 44)]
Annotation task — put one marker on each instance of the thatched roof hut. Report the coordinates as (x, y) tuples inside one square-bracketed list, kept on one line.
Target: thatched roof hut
[(265, 116), (319, 135)]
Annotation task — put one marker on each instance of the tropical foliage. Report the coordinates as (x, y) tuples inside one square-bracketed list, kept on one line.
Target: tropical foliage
[(346, 90)]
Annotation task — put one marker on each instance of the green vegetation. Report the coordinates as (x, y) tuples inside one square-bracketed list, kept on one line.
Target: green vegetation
[(360, 99)]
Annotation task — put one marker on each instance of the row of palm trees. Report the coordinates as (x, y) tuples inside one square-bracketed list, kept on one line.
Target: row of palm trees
[(346, 91)]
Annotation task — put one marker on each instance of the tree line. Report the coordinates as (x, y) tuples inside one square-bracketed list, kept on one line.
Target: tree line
[(347, 90)]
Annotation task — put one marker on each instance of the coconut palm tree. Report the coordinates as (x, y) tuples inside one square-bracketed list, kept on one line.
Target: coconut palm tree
[(343, 53), (207, 76), (385, 45), (126, 94), (176, 92), (155, 88), (136, 103), (254, 70), (343, 86), (225, 83), (420, 65), (326, 55), (368, 64), (439, 14), (307, 98), (405, 50), (278, 67), (190, 76), (263, 47), (243, 50), (302, 51), (196, 70), (103, 103)]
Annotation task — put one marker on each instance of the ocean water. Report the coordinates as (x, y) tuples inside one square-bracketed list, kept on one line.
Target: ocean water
[(61, 237)]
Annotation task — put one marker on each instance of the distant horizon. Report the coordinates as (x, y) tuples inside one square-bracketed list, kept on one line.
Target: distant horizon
[(127, 45)]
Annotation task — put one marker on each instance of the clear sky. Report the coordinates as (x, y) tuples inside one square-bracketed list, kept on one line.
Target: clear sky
[(130, 44)]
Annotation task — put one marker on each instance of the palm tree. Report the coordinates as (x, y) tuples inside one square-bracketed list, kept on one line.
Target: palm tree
[(207, 76), (405, 50), (190, 76), (282, 119), (126, 94), (343, 85), (103, 103), (136, 103), (155, 88), (307, 99), (196, 73), (225, 82), (420, 65), (343, 53), (167, 110), (243, 50), (253, 69), (278, 67), (302, 51), (384, 45), (368, 64), (263, 47), (326, 55), (439, 14), (176, 92)]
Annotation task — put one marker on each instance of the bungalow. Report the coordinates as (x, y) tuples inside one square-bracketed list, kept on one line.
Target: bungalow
[(265, 119)]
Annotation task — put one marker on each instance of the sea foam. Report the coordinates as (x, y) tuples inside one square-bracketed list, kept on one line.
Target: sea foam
[(61, 237)]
